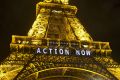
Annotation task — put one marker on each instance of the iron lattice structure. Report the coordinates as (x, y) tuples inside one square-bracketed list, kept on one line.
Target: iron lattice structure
[(56, 26)]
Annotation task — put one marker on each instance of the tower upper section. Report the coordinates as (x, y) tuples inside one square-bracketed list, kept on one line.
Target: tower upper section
[(57, 25), (55, 19), (55, 6)]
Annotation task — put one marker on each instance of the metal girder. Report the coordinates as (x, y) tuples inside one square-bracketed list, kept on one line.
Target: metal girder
[(107, 61), (39, 63)]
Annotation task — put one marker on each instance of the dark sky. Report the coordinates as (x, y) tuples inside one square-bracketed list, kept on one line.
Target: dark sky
[(101, 18)]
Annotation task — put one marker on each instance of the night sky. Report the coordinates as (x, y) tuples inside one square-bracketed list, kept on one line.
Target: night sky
[(101, 18)]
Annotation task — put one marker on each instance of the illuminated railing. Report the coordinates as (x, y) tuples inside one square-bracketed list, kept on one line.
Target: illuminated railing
[(25, 43)]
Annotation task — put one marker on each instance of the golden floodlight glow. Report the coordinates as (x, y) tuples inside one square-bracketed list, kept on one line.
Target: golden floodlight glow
[(58, 46), (64, 1)]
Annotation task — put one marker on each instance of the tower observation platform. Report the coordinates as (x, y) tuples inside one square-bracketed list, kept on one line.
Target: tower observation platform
[(58, 47)]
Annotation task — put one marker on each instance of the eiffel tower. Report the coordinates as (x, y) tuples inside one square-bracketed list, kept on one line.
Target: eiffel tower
[(58, 48)]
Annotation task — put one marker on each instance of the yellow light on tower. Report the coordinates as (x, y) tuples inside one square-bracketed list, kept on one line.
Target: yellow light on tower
[(64, 1), (48, 1), (58, 1)]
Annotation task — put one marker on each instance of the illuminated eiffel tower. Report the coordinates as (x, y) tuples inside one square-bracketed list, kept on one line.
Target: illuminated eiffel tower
[(58, 48)]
